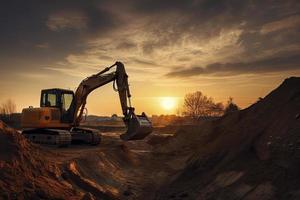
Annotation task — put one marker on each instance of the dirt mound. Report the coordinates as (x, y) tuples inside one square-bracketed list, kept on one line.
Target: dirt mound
[(251, 154), (24, 173)]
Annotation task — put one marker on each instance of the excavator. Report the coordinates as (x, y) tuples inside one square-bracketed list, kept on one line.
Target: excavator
[(57, 120)]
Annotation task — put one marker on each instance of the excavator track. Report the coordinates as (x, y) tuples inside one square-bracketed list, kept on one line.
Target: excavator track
[(48, 136), (85, 135), (58, 137)]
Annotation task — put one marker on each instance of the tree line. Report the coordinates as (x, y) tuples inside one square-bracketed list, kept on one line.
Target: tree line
[(197, 105)]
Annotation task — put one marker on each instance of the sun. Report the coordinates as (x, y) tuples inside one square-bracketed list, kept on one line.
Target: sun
[(168, 103)]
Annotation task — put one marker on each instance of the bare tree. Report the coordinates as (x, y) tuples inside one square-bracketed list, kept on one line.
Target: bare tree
[(231, 106), (198, 105), (8, 107)]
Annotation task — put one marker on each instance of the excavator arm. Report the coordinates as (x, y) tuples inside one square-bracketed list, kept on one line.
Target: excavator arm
[(138, 126)]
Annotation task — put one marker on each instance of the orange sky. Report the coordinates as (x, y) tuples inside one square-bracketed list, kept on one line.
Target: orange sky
[(169, 48), (147, 94)]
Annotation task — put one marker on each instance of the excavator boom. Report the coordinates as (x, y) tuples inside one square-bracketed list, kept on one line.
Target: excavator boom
[(138, 126)]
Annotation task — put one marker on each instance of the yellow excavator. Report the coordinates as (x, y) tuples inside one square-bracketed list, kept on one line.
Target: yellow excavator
[(57, 121)]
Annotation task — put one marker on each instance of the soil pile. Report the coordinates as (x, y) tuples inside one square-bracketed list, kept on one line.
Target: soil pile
[(24, 171), (250, 154)]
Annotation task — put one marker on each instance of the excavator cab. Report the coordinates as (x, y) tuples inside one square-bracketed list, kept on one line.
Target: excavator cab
[(58, 98)]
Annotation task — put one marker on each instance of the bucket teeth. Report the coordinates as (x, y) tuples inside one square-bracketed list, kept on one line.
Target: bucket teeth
[(138, 127)]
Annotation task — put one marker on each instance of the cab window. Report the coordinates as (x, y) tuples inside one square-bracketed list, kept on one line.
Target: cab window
[(44, 98), (49, 100), (66, 100)]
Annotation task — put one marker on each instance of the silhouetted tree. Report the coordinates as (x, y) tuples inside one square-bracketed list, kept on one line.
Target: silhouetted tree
[(197, 105), (231, 106), (8, 107)]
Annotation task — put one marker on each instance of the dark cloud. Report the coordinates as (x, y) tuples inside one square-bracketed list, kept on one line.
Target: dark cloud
[(65, 26), (24, 27), (267, 27), (275, 64)]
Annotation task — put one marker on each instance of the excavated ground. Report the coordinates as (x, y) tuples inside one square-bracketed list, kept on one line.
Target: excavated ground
[(116, 169), (251, 154)]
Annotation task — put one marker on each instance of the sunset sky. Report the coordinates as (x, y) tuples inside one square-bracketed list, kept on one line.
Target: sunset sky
[(241, 49)]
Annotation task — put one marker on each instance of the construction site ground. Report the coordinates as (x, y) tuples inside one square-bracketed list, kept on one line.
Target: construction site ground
[(250, 154)]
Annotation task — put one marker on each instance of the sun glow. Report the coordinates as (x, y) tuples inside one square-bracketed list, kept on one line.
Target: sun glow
[(168, 103)]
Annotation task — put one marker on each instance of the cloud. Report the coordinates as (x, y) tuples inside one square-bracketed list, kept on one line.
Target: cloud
[(144, 62), (44, 45), (126, 45), (275, 64), (67, 20), (285, 23), (153, 34), (74, 72), (33, 75)]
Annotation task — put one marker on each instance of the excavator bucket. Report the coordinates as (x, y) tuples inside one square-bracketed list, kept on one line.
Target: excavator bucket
[(138, 127)]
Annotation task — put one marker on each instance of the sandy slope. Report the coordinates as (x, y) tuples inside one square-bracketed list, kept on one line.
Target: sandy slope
[(25, 171), (251, 154)]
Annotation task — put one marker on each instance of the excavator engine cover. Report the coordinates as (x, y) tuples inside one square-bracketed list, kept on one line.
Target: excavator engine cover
[(138, 127)]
